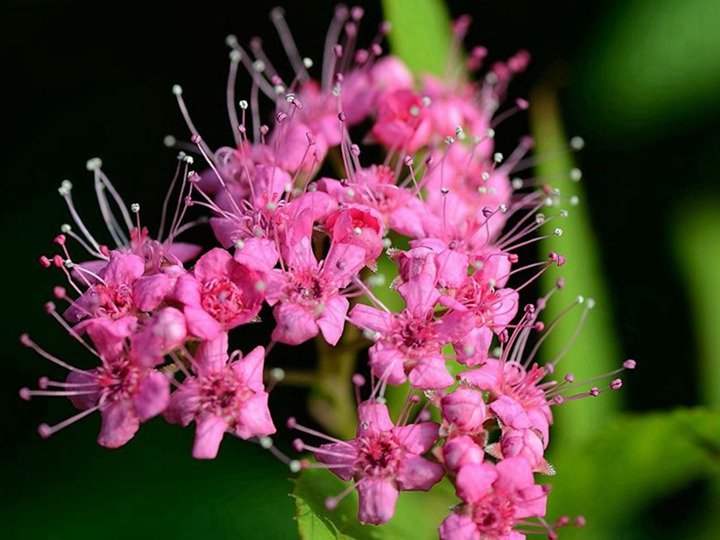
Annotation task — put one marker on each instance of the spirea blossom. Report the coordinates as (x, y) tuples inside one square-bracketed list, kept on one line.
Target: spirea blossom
[(309, 229)]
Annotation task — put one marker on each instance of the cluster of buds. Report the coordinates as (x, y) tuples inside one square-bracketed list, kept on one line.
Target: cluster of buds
[(306, 244)]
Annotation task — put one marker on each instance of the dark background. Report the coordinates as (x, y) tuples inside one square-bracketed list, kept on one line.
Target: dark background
[(93, 79)]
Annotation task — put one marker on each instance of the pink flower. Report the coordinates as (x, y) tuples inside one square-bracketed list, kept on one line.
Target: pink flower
[(402, 122), (409, 344), (515, 397), (383, 459), (307, 295), (161, 334), (461, 450), (495, 498), (125, 392), (223, 396), (463, 411), (359, 226), (220, 294)]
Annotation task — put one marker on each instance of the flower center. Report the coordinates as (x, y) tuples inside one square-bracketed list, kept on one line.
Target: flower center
[(118, 380), (223, 394), (114, 301), (379, 455), (494, 516), (222, 299)]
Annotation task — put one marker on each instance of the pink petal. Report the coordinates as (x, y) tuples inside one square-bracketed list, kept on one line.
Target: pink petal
[(153, 396), (119, 424), (339, 454), (259, 254), (295, 324), (107, 335), (454, 326), (486, 377), (452, 268), (332, 320), (505, 309), (457, 527), (373, 418), (254, 418), (510, 412), (377, 500), (250, 369), (417, 438), (150, 291), (212, 355), (209, 431), (387, 364), (419, 294), (200, 324), (430, 373), (342, 263), (369, 318), (216, 263), (187, 290), (474, 481), (460, 451), (183, 251), (90, 399), (184, 403), (226, 231), (123, 268), (418, 474)]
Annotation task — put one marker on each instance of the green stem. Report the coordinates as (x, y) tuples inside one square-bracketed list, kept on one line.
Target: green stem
[(332, 402)]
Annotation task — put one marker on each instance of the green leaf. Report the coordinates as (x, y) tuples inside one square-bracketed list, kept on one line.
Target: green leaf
[(420, 34), (697, 241), (595, 350), (417, 515), (653, 63), (633, 462)]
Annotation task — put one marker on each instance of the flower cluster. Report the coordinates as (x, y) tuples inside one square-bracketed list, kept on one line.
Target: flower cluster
[(440, 206)]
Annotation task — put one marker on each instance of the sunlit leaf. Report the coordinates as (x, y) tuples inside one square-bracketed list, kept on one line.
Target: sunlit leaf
[(633, 462), (595, 350), (420, 34)]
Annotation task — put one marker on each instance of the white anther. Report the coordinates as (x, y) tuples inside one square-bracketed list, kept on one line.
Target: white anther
[(295, 466), (377, 280), (260, 285), (482, 189), (427, 101), (485, 176), (497, 352), (271, 206), (590, 303), (491, 78), (491, 191), (231, 40), (449, 140), (558, 232), (279, 89), (502, 208), (575, 175), (350, 192), (189, 160), (517, 183), (266, 442), (277, 374), (580, 299), (414, 110), (468, 350), (491, 133), (563, 213), (577, 143), (65, 228), (93, 164), (549, 201), (134, 208), (169, 141), (336, 91), (239, 243), (177, 89), (444, 190), (478, 265), (235, 56), (574, 201), (476, 139), (243, 104), (386, 242), (65, 187), (259, 66), (68, 263), (497, 157), (539, 218), (307, 62), (491, 282)]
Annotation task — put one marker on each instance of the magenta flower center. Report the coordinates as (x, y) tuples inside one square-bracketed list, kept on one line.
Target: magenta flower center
[(379, 455), (114, 301), (118, 380), (493, 515), (222, 299), (308, 288), (223, 394), (414, 335)]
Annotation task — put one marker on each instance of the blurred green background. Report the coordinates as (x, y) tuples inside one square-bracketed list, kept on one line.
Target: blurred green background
[(639, 80)]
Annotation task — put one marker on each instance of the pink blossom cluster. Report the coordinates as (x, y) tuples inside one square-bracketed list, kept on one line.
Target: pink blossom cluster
[(440, 205)]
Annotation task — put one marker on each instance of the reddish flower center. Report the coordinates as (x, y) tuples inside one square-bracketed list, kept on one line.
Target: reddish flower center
[(222, 299), (223, 393), (114, 301), (494, 515), (379, 455), (118, 380), (308, 288)]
